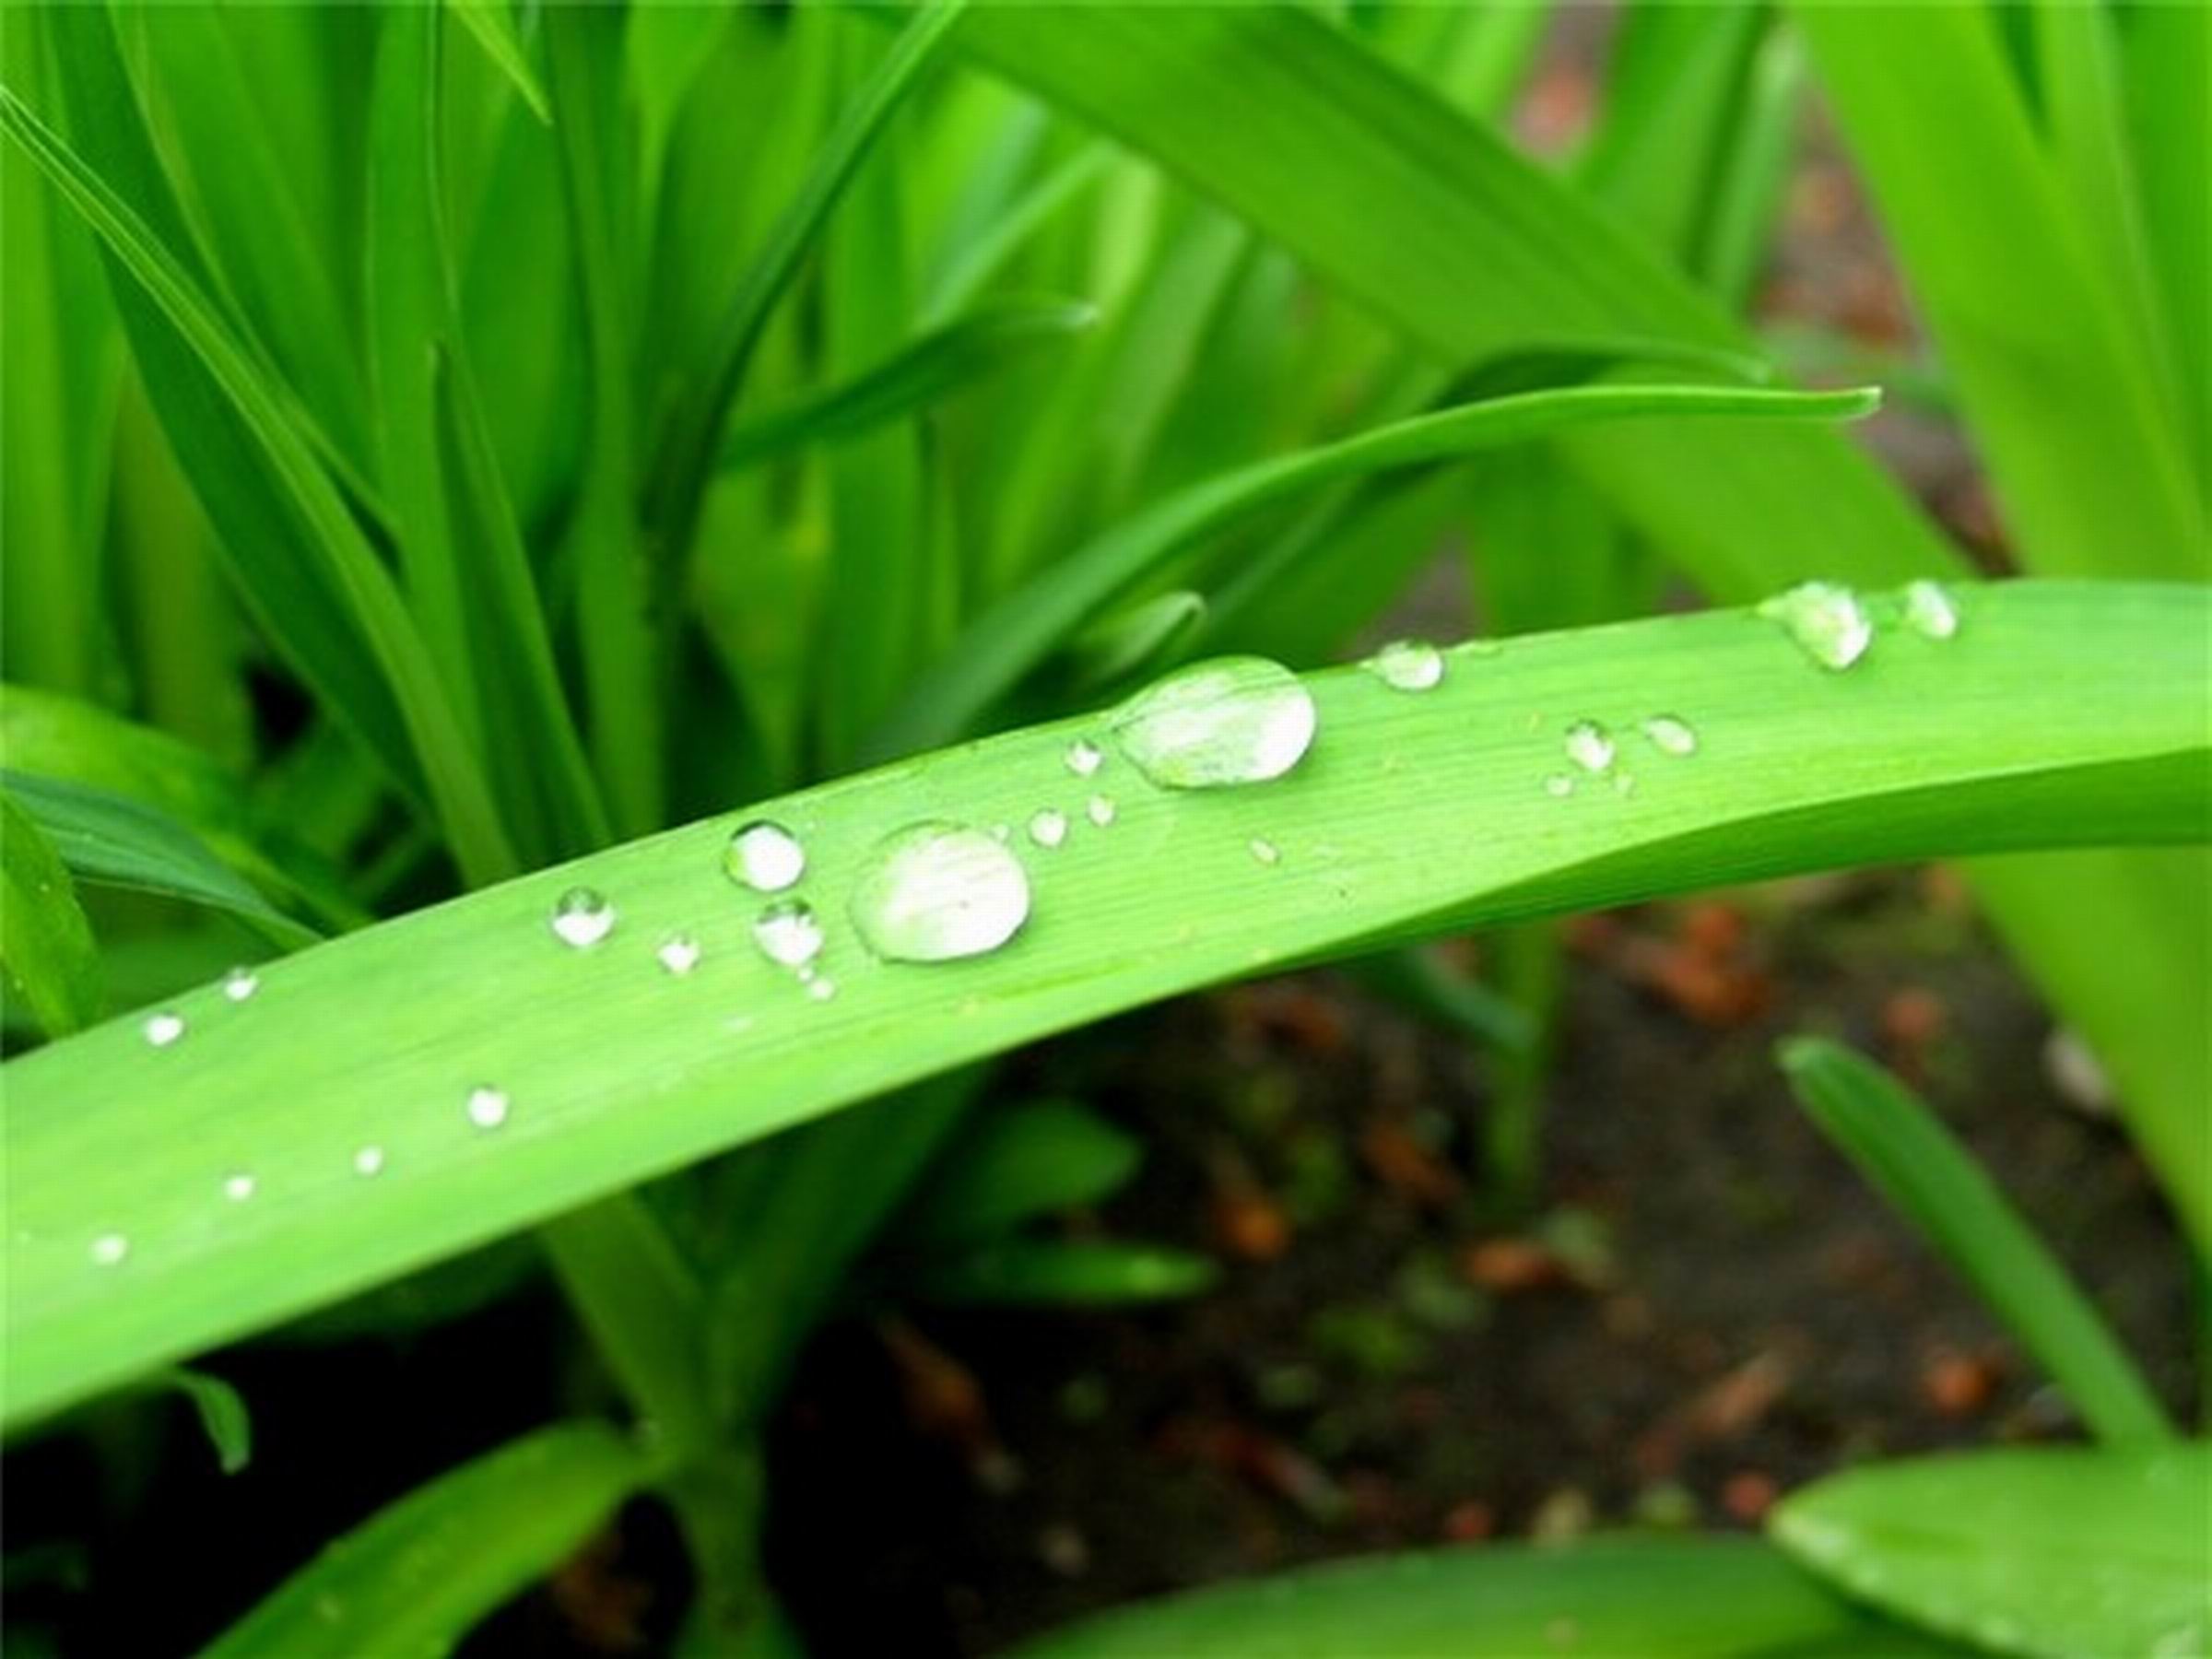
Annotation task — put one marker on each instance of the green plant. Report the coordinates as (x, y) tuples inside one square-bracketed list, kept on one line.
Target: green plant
[(916, 413)]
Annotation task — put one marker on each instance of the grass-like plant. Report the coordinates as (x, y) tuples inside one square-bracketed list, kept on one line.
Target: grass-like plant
[(445, 451)]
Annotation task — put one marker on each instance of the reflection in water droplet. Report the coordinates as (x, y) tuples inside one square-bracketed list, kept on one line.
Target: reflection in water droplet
[(1826, 620), (1085, 758), (788, 933), (240, 983), (581, 917), (1931, 610), (1670, 737), (1235, 720), (1048, 829), (679, 954), (1590, 745), (1265, 851), (487, 1106), (164, 1028), (1559, 786), (238, 1188), (108, 1249), (1408, 665), (764, 856), (369, 1160), (1099, 811), (935, 891)]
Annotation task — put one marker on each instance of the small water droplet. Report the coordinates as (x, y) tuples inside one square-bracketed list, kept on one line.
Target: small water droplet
[(1047, 828), (822, 989), (1670, 735), (1559, 786), (1235, 720), (487, 1106), (1002, 833), (1930, 610), (238, 1188), (1408, 665), (1590, 745), (164, 1028), (1826, 620), (788, 933), (1084, 757), (679, 954), (1624, 784), (1265, 851), (240, 983), (108, 1249), (935, 891), (369, 1160), (764, 856), (1100, 810), (581, 917)]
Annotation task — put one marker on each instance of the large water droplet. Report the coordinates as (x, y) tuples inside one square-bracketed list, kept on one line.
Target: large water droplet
[(764, 856), (110, 1249), (164, 1028), (679, 954), (581, 917), (1931, 610), (1100, 810), (240, 983), (933, 892), (1670, 735), (1590, 745), (1085, 758), (487, 1106), (788, 933), (1048, 827), (1235, 720), (1408, 665), (1826, 620)]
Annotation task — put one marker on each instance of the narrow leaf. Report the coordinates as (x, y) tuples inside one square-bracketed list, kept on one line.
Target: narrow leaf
[(45, 942), (1919, 1166), (1017, 1164), (1063, 1272), (222, 1414), (492, 26)]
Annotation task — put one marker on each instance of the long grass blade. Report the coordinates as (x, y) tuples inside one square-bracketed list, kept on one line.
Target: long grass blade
[(1919, 1166), (616, 1070), (46, 945)]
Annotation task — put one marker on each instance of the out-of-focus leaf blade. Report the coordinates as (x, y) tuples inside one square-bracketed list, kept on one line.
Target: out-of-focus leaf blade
[(1922, 1170), (1062, 1272), (1029, 1161), (222, 1414), (2059, 1552), (492, 26), (416, 1576), (45, 942)]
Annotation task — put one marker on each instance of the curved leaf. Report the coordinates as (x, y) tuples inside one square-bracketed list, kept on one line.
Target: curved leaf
[(2061, 713), (45, 942), (1014, 1165)]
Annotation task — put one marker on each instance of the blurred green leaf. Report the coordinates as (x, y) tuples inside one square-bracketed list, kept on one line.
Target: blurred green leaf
[(45, 942), (222, 1414), (1057, 1272), (1921, 1169), (2059, 1551), (492, 26), (413, 1577), (1017, 1164)]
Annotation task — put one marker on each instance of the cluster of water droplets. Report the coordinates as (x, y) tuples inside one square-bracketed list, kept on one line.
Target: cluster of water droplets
[(1836, 627)]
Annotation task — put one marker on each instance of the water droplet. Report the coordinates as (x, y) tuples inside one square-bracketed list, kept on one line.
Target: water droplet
[(240, 983), (1590, 745), (238, 1188), (1235, 720), (1265, 851), (1048, 829), (164, 1028), (822, 989), (788, 933), (764, 856), (581, 917), (1931, 610), (108, 1249), (1559, 786), (487, 1106), (1084, 757), (1100, 810), (1408, 665), (1624, 784), (934, 891), (1002, 833), (679, 954), (1826, 620), (369, 1160), (1670, 735)]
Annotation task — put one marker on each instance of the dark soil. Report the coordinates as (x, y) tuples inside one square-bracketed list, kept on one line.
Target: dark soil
[(1706, 1307)]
